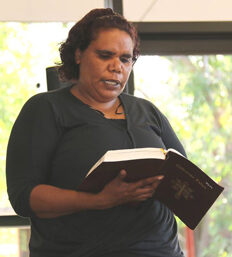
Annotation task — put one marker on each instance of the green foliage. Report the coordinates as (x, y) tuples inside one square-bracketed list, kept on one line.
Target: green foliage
[(210, 115), (26, 49), (14, 71), (200, 110), (206, 81)]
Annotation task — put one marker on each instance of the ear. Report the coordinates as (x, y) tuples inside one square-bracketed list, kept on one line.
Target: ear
[(78, 56)]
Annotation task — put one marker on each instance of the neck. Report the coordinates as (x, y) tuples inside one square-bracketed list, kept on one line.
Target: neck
[(110, 109)]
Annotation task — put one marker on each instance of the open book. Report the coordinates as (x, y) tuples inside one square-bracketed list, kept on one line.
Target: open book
[(186, 189)]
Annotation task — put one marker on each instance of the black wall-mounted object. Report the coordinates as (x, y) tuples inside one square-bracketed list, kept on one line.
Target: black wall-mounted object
[(53, 81)]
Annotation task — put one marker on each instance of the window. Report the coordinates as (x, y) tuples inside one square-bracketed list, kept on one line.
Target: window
[(195, 94), (190, 65), (24, 57)]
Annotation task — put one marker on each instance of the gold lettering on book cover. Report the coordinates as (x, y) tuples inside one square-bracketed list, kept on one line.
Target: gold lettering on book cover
[(202, 184), (182, 189), (184, 170)]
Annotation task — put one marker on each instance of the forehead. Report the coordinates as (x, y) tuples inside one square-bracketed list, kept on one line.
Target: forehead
[(114, 40)]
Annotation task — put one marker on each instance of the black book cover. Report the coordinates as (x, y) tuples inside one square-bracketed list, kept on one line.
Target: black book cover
[(186, 190), (106, 171)]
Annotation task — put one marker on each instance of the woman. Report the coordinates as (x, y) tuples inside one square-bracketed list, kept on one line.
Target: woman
[(60, 134)]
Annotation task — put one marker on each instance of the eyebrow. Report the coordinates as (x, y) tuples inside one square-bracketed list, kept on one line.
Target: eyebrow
[(110, 53)]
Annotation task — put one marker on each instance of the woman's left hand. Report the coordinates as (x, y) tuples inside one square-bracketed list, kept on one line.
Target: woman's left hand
[(118, 192)]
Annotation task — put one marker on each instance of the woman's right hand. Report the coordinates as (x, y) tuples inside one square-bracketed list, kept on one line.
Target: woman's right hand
[(118, 192)]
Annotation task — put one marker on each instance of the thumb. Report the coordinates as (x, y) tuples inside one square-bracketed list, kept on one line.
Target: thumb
[(122, 174)]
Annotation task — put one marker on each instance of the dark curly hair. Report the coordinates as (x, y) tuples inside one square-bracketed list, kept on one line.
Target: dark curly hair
[(84, 31)]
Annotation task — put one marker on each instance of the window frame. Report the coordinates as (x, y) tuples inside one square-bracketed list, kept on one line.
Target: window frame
[(13, 221), (175, 38), (183, 38)]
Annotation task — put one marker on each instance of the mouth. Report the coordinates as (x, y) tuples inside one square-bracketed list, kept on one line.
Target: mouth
[(112, 82)]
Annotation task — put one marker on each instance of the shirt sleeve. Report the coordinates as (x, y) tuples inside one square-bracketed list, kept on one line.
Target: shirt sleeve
[(30, 149), (169, 137), (164, 128)]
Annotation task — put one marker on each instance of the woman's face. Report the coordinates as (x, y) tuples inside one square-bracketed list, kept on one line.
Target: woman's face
[(105, 65)]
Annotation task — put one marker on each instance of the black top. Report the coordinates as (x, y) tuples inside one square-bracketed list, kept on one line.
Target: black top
[(55, 140)]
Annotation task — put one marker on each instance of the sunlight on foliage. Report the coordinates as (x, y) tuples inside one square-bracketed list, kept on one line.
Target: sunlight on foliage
[(195, 94), (26, 49)]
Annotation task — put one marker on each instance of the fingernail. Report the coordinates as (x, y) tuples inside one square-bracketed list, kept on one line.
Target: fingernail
[(160, 177)]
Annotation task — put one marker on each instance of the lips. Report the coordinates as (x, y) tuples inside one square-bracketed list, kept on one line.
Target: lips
[(112, 82)]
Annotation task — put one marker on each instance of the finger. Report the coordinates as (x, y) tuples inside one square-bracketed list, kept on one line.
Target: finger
[(144, 197), (156, 184), (122, 174), (148, 181), (144, 190), (154, 179), (151, 180)]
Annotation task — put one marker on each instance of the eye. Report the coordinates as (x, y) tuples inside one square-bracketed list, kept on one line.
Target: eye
[(126, 59), (104, 56)]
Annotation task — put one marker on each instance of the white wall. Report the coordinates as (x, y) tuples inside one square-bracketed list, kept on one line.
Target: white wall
[(134, 10), (46, 10), (178, 10)]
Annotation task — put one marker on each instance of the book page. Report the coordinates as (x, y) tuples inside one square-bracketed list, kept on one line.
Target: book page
[(174, 151), (130, 154), (133, 154)]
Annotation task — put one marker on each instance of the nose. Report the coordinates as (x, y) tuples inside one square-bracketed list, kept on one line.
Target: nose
[(115, 65)]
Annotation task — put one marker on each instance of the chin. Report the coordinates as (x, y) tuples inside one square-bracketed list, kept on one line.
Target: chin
[(112, 93)]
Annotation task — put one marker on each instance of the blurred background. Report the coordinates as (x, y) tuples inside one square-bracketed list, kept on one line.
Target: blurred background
[(185, 69)]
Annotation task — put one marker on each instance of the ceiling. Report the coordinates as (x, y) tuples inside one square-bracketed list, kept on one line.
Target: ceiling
[(134, 10)]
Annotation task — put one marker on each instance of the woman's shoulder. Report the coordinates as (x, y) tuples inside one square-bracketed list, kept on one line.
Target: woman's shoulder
[(48, 98), (49, 95), (133, 99), (139, 102), (146, 108), (45, 102)]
